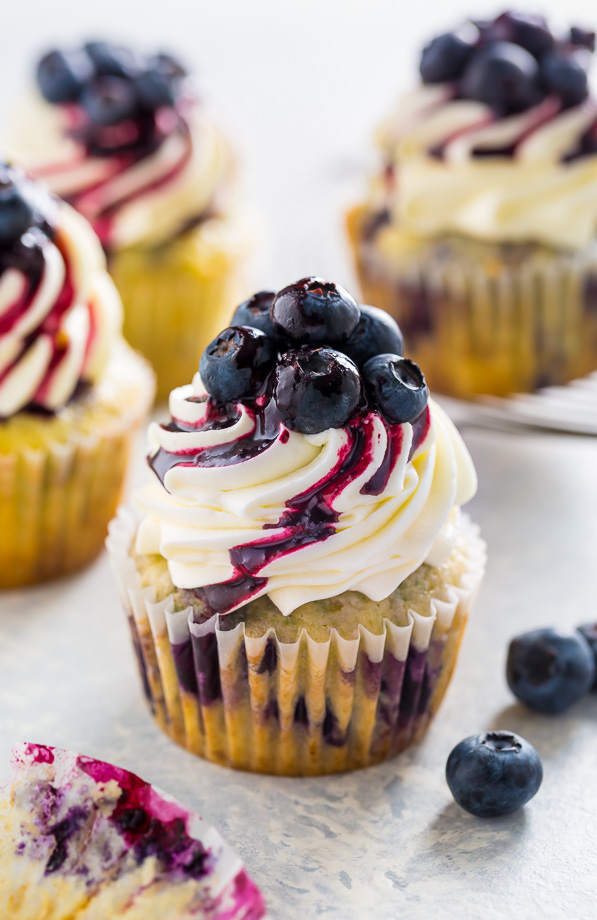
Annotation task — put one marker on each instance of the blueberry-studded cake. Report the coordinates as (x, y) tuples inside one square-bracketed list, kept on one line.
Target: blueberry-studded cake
[(72, 394), (124, 138), (479, 229), (85, 840), (299, 580)]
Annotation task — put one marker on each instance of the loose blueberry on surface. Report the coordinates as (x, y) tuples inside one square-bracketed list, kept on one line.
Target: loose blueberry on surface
[(110, 100), (550, 670), (566, 77), (111, 60), (494, 773), (168, 66), (503, 76), (237, 363), (525, 29), (256, 312), (589, 633), (314, 312), (396, 386), (582, 38), (445, 57), (155, 90), (316, 389), (61, 75), (16, 212), (375, 334)]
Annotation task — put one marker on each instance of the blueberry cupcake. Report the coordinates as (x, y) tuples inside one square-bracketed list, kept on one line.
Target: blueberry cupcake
[(124, 139), (72, 393), (479, 232), (83, 838), (300, 576)]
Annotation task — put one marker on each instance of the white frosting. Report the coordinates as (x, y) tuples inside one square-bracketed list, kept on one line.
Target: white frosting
[(149, 200), (84, 334), (532, 196), (203, 513)]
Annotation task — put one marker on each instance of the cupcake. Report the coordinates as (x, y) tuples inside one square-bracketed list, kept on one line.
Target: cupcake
[(479, 232), (83, 838), (125, 140), (299, 576), (72, 393)]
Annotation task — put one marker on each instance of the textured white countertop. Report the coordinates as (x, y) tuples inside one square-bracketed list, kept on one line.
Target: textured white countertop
[(386, 842)]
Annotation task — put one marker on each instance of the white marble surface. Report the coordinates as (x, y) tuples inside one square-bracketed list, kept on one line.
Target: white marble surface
[(388, 841)]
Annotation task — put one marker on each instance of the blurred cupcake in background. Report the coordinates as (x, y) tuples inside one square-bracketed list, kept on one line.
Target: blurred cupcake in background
[(479, 232), (124, 139), (72, 393), (298, 583)]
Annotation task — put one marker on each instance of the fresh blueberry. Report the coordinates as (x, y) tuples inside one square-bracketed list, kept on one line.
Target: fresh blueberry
[(582, 38), (494, 773), (565, 77), (16, 212), (256, 312), (375, 334), (111, 60), (168, 66), (396, 386), (237, 363), (155, 90), (589, 632), (503, 76), (445, 57), (314, 312), (316, 389), (110, 100), (61, 75), (550, 670), (529, 31)]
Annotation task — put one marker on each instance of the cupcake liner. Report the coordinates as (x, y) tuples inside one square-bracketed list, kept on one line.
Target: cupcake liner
[(292, 708), (178, 297), (483, 318), (57, 496)]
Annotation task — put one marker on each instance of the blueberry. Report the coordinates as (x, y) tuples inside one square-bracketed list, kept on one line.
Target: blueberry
[(155, 90), (445, 57), (396, 386), (168, 66), (589, 633), (494, 773), (237, 363), (16, 212), (256, 312), (529, 31), (316, 389), (582, 38), (503, 76), (375, 334), (314, 312), (565, 77), (111, 60), (550, 670), (110, 100), (61, 75)]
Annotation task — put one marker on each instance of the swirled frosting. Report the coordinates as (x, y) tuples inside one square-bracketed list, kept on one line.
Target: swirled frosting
[(59, 313), (142, 197), (242, 506), (458, 167)]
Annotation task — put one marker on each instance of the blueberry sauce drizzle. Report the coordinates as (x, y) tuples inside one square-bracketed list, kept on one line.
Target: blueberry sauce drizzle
[(309, 517)]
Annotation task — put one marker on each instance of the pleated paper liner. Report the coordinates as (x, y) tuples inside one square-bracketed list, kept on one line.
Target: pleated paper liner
[(483, 318), (300, 708), (61, 479), (178, 297)]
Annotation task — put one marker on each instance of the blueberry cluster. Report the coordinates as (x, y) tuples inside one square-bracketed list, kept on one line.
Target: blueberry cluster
[(318, 354), (511, 63), (110, 82), (23, 204)]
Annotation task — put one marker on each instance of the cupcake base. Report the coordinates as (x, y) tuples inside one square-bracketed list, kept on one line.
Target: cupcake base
[(288, 700), (61, 477), (481, 318), (179, 296)]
